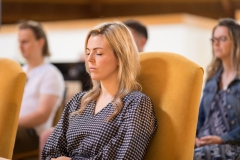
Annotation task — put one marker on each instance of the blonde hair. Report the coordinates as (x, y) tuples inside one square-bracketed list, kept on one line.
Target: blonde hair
[(121, 41), (234, 33)]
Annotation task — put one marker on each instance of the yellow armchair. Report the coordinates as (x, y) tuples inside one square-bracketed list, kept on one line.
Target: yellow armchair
[(174, 84), (12, 82)]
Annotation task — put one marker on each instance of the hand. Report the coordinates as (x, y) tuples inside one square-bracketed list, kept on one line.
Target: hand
[(197, 142), (61, 158), (209, 140)]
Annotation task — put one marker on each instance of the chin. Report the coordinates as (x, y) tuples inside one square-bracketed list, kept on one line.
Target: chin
[(218, 56), (95, 78), (24, 56)]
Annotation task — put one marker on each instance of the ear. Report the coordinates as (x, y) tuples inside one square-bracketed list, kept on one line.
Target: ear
[(41, 42), (143, 41)]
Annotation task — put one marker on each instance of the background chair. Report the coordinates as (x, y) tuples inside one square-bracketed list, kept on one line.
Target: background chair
[(174, 84), (12, 82), (60, 109)]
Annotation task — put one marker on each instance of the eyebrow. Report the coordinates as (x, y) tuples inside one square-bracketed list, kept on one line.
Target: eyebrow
[(95, 48)]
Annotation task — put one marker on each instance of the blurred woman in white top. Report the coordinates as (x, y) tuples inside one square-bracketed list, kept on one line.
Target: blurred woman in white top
[(44, 89)]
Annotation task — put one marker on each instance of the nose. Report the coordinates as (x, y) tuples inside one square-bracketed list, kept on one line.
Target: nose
[(90, 57), (216, 42)]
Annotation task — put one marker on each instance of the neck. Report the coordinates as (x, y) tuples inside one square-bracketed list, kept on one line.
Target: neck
[(109, 89), (32, 63), (228, 74), (228, 67)]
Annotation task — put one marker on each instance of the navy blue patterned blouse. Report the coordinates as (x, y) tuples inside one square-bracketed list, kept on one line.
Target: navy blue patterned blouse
[(92, 137)]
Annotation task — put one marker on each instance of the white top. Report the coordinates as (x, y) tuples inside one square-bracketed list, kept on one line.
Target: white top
[(43, 79)]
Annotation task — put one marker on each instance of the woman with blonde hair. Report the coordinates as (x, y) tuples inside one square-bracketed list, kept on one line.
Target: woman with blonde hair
[(218, 130), (113, 120)]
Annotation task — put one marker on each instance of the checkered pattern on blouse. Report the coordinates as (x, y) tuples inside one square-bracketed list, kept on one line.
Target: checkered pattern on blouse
[(89, 136)]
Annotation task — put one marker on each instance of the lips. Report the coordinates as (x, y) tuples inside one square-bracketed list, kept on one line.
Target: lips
[(216, 50), (92, 68)]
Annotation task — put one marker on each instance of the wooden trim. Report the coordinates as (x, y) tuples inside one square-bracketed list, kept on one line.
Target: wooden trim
[(50, 1), (227, 7), (180, 18), (106, 1), (237, 14)]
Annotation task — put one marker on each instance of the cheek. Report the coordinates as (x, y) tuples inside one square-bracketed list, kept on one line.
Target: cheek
[(228, 47), (112, 65), (26, 46), (116, 66)]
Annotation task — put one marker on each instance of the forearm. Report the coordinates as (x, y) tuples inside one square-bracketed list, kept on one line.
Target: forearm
[(32, 120), (41, 115)]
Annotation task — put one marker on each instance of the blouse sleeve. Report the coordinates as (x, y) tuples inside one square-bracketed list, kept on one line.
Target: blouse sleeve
[(134, 134), (56, 144), (201, 117), (232, 137)]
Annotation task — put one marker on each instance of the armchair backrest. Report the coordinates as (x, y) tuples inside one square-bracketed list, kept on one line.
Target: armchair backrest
[(60, 109), (12, 82), (174, 84)]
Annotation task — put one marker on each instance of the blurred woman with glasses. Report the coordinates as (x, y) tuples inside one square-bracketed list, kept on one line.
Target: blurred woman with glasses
[(218, 130)]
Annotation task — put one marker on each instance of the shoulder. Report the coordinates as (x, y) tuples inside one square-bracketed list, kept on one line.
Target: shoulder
[(211, 82), (50, 71), (78, 96), (135, 95), (50, 68), (136, 98), (138, 105), (210, 86), (75, 102)]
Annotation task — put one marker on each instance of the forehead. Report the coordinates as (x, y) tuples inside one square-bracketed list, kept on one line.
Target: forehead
[(97, 41), (26, 33), (221, 31)]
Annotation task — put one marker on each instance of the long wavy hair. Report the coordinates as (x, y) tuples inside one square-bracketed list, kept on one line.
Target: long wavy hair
[(121, 41), (234, 32)]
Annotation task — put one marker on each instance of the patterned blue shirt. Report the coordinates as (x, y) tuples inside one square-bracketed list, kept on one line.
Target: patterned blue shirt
[(89, 136)]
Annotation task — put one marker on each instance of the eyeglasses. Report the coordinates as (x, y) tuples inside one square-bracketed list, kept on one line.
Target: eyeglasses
[(220, 39)]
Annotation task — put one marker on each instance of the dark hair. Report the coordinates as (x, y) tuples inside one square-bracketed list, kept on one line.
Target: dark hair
[(137, 26), (234, 33), (38, 32)]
